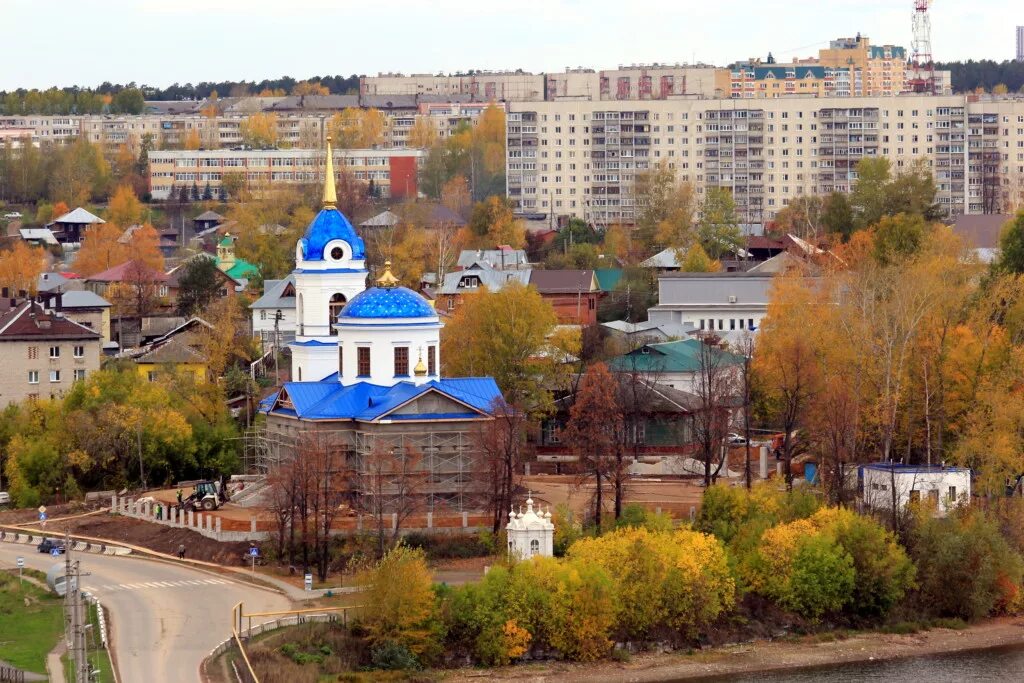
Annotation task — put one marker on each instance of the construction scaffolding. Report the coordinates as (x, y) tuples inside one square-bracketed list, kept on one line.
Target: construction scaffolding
[(443, 470)]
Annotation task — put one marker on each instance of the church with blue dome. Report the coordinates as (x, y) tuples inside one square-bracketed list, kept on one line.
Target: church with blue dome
[(366, 370)]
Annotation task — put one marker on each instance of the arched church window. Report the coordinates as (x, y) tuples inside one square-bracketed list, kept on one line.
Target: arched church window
[(534, 547), (334, 308)]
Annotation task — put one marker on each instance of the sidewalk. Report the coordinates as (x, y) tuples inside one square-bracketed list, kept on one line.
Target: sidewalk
[(54, 667)]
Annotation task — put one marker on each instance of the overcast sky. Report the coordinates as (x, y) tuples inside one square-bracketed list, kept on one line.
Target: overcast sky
[(158, 42)]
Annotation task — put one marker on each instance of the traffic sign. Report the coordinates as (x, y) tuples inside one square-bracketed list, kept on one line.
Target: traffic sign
[(254, 551), (42, 516), (21, 563), (309, 582), (55, 552), (42, 509)]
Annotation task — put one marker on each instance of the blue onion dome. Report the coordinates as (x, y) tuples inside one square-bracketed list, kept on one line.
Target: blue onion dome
[(330, 224), (387, 300)]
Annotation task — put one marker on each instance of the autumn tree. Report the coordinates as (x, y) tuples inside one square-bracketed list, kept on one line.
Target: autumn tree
[(1011, 245), (502, 444), (125, 208), (143, 246), (802, 216), (594, 420), (665, 209), (400, 601), (696, 260), (101, 249), (455, 196), (138, 292), (509, 335), (423, 133), (259, 130), (310, 88), (355, 128), (80, 173), (493, 224), (20, 268)]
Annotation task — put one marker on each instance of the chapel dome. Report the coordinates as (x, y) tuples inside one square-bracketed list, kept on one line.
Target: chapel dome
[(329, 225), (387, 302)]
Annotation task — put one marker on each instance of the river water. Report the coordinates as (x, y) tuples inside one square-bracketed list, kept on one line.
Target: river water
[(1003, 664)]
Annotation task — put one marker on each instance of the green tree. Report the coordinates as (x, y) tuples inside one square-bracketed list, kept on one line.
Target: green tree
[(898, 238), (128, 101), (718, 228), (199, 284), (837, 216), (869, 196), (1011, 245)]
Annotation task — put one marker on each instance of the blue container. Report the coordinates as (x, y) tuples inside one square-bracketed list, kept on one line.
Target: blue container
[(811, 472)]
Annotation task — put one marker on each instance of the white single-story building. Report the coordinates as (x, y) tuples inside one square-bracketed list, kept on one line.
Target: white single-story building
[(944, 487), (530, 533)]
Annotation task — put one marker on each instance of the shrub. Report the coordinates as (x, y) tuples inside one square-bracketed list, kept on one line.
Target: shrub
[(679, 580), (392, 656), (964, 565), (802, 569), (582, 612), (634, 515), (441, 546), (883, 571), (728, 511)]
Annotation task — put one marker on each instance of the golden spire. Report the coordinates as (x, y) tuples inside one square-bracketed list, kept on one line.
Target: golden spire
[(330, 196), (420, 370), (387, 279)]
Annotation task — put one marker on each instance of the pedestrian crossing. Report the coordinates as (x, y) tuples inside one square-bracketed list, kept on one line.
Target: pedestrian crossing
[(154, 585)]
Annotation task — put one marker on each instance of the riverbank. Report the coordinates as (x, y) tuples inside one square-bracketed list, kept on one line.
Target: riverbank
[(764, 656)]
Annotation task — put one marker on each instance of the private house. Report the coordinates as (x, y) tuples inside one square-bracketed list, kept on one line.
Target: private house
[(207, 220), (502, 258), (676, 364), (228, 286), (44, 352), (69, 228), (370, 385), (457, 283), (274, 312), (572, 293), (632, 335), (879, 484), (658, 422), (180, 351), (427, 215), (88, 309), (39, 237), (131, 274)]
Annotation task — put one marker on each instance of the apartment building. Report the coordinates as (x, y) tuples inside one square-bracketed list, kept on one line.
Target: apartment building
[(392, 172), (579, 158), (486, 86), (849, 67), (638, 82), (43, 128)]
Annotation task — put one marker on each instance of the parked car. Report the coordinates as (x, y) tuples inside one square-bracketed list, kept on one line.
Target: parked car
[(734, 439), (49, 544), (5, 498), (12, 214)]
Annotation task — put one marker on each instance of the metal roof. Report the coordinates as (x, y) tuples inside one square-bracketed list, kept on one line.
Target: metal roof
[(79, 216), (273, 294)]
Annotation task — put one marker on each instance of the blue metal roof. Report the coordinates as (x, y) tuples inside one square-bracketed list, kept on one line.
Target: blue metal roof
[(330, 224), (330, 400), (387, 302), (313, 342)]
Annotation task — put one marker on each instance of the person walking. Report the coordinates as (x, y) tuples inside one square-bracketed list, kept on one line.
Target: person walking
[(181, 551), (179, 499)]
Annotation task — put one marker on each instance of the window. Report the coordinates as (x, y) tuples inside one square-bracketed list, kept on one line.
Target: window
[(933, 496), (363, 361), (431, 360), (54, 375), (33, 352), (79, 352), (915, 496), (79, 374), (54, 352), (341, 360), (534, 547), (151, 375), (33, 377), (951, 496), (551, 432), (401, 361), (263, 315)]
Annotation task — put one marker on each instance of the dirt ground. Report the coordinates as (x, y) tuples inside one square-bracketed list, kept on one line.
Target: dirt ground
[(157, 537), (762, 656), (672, 496)]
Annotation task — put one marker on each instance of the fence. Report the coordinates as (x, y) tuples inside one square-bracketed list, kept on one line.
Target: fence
[(227, 530), (9, 674)]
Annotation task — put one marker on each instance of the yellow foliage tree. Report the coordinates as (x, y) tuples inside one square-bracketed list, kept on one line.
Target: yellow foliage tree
[(100, 249), (125, 208), (259, 130), (423, 133), (20, 267), (310, 88), (400, 600), (192, 140), (355, 128)]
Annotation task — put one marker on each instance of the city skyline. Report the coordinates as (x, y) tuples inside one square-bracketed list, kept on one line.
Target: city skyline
[(254, 40)]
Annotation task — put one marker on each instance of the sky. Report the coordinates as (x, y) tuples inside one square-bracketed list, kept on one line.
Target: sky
[(86, 42)]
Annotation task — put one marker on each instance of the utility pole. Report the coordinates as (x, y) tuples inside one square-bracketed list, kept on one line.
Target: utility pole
[(74, 614), (277, 351)]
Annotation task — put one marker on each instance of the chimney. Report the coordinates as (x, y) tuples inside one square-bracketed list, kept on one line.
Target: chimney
[(59, 306)]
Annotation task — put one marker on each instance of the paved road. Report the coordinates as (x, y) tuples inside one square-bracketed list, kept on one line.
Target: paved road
[(165, 617)]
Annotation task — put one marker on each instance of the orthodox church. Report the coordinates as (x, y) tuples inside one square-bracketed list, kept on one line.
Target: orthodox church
[(366, 367)]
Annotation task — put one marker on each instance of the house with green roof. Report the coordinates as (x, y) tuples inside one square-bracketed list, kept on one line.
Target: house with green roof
[(677, 364), (236, 268)]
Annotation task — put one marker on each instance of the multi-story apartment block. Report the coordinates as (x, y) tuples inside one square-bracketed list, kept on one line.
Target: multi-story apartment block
[(1020, 43), (44, 128), (392, 172), (483, 86), (850, 67), (579, 158)]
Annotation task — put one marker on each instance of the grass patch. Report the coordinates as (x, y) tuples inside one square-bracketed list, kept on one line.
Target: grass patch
[(903, 628), (31, 623), (954, 624)]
